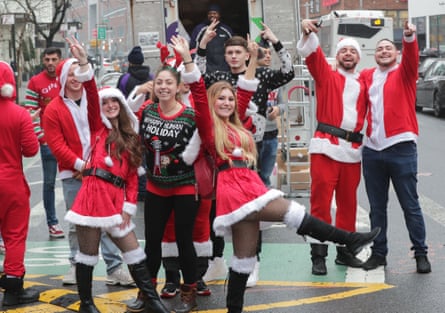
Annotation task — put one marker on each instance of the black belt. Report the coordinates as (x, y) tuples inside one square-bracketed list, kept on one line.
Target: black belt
[(105, 175), (340, 132), (235, 163)]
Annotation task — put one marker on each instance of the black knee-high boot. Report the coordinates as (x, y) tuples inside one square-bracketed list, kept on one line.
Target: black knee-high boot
[(84, 277), (322, 231), (142, 278), (235, 291)]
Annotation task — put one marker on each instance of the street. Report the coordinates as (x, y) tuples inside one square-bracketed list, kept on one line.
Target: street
[(286, 284)]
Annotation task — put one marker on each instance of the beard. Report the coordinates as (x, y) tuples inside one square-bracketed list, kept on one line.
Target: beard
[(349, 65)]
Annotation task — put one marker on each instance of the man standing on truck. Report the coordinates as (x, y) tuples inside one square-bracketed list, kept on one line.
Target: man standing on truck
[(215, 48), (335, 149)]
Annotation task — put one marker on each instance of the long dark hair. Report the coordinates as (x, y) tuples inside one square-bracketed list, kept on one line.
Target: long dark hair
[(124, 138)]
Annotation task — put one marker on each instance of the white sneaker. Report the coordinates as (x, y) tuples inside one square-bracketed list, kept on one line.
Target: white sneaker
[(254, 276), (120, 277), (217, 270), (70, 277)]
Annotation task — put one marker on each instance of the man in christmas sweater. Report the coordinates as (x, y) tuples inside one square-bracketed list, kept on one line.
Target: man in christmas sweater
[(42, 88)]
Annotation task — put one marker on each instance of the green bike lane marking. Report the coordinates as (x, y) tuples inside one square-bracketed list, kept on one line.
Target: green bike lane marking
[(285, 281)]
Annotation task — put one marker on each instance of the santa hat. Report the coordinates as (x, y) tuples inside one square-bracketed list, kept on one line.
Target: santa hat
[(111, 92), (62, 71), (345, 42), (7, 81)]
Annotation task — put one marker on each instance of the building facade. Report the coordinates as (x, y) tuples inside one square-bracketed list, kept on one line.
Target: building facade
[(429, 18)]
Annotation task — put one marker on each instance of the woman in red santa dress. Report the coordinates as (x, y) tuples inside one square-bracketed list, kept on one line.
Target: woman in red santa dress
[(107, 198), (242, 199)]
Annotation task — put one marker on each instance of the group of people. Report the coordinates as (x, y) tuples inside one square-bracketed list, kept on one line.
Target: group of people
[(383, 96), (104, 140)]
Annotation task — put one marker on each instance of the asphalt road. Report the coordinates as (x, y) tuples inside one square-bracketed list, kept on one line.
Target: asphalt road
[(286, 284)]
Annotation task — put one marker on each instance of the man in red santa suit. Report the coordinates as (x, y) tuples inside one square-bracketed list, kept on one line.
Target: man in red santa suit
[(18, 140), (335, 148)]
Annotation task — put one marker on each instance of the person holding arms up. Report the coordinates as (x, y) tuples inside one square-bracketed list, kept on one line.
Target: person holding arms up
[(390, 152), (242, 199)]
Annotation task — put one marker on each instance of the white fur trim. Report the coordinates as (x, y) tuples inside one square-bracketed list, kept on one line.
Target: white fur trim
[(244, 265), (247, 84), (134, 256), (345, 42), (117, 232), (169, 249), (64, 75), (129, 208), (112, 92), (191, 151), (7, 90), (91, 221), (108, 161), (222, 223), (191, 77), (141, 171), (84, 76), (251, 109), (308, 46), (294, 215), (135, 101), (203, 249), (90, 260)]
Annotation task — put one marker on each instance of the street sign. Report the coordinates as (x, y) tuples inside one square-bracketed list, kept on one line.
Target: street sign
[(101, 32)]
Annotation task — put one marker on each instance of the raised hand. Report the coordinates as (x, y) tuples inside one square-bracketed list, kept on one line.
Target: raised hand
[(77, 50), (209, 34), (181, 46), (409, 29), (268, 34), (309, 26)]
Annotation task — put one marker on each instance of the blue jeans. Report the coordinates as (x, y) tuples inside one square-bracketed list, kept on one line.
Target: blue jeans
[(110, 252), (49, 166), (397, 163), (267, 157)]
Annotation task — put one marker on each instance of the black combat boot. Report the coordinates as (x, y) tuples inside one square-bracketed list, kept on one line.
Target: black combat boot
[(142, 278), (344, 257), (235, 291), (14, 292), (322, 231), (84, 278), (319, 253)]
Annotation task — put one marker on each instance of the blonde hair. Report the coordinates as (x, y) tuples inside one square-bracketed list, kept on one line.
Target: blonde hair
[(222, 129)]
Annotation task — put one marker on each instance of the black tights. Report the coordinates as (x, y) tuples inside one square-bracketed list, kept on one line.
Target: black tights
[(157, 212), (89, 239)]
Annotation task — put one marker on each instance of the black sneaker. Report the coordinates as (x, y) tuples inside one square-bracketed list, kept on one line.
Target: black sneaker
[(202, 289), (422, 264), (170, 290)]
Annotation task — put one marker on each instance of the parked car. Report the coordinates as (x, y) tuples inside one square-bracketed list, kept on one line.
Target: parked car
[(109, 80), (107, 65), (424, 64), (431, 88)]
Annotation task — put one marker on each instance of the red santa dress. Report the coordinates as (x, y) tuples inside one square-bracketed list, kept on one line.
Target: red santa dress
[(239, 190), (99, 202)]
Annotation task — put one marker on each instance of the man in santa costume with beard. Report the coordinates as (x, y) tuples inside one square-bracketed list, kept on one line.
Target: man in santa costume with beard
[(335, 148)]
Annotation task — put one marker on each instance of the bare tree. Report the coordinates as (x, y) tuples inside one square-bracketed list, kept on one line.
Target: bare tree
[(51, 25)]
